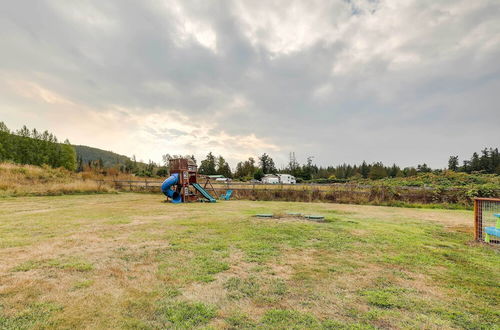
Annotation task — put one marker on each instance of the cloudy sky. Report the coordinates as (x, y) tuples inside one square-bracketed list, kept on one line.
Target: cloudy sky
[(344, 81)]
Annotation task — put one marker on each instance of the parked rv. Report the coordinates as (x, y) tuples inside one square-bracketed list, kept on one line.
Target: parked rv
[(271, 179), (287, 179)]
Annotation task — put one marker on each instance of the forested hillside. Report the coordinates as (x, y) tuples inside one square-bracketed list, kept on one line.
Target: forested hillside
[(32, 147), (36, 148), (86, 154), (26, 146)]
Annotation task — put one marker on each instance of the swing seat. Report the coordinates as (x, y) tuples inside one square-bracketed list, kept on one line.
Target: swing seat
[(227, 195), (492, 231)]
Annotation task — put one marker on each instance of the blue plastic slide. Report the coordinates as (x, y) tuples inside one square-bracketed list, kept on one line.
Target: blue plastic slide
[(166, 188)]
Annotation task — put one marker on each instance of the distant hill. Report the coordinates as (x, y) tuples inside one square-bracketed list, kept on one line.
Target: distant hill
[(109, 158)]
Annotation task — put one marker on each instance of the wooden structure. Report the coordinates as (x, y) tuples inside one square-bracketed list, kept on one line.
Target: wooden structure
[(484, 211), (188, 171)]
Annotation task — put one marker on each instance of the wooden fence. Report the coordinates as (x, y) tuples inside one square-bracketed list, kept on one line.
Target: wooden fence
[(153, 184), (336, 192)]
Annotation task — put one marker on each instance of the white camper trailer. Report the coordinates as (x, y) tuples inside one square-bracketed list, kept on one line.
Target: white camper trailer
[(287, 179), (270, 179)]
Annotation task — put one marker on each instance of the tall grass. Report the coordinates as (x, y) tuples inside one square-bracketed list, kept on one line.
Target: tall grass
[(388, 196), (348, 194), (29, 180)]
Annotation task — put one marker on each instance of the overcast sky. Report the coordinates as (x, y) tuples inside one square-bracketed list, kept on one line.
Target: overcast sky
[(344, 81)]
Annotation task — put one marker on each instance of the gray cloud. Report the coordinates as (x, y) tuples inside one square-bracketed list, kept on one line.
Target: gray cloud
[(399, 82)]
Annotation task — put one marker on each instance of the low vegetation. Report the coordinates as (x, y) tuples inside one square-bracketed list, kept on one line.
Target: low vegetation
[(450, 190), (29, 180), (131, 261), (445, 179)]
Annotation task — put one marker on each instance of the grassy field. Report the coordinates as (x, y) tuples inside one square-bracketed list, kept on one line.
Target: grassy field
[(130, 261)]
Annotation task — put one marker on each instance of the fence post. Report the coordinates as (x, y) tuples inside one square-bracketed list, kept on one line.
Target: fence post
[(476, 220)]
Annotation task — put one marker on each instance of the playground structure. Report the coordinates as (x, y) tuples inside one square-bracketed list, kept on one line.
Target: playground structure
[(182, 185), (487, 220)]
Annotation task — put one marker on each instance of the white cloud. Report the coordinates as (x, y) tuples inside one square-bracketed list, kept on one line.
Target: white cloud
[(188, 27), (391, 80), (284, 27)]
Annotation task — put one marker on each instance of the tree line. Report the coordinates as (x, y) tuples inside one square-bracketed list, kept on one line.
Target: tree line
[(26, 146), (256, 168), (488, 162)]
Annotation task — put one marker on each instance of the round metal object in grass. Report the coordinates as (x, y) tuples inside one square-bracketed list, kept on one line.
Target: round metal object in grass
[(264, 215), (294, 214), (315, 217)]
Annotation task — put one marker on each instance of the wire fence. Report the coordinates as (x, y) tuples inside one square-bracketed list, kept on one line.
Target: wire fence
[(485, 211)]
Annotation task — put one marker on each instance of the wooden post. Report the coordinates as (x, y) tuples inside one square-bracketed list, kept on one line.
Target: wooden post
[(477, 228)]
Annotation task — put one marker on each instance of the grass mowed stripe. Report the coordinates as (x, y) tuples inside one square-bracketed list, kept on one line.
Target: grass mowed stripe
[(130, 261)]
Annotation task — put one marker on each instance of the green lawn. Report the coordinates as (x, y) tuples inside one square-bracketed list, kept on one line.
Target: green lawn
[(131, 261)]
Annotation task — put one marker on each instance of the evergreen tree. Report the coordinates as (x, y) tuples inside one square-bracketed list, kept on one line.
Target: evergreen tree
[(238, 173), (223, 168), (409, 171), (423, 168), (208, 166), (79, 164), (377, 171), (259, 174), (485, 163), (267, 164), (4, 128), (394, 171), (466, 166), (245, 169), (68, 156), (364, 170), (453, 163), (475, 162), (495, 160)]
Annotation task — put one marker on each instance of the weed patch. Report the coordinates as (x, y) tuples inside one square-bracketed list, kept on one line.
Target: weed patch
[(186, 315), (35, 316), (240, 288), (71, 264)]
